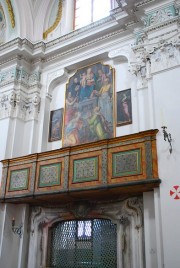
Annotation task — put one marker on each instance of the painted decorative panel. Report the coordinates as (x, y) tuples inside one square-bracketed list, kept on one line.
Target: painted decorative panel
[(89, 105), (19, 180), (127, 163), (85, 169), (49, 175)]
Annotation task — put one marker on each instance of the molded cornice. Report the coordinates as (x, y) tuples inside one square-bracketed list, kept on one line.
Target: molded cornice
[(121, 24), (99, 31)]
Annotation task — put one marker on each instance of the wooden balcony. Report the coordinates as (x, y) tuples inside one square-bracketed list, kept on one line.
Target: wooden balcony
[(115, 168)]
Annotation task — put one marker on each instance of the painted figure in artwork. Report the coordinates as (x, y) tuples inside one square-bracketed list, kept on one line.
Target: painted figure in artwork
[(98, 125), (72, 130), (75, 88), (70, 106), (125, 105), (90, 82), (89, 105), (105, 99), (55, 128)]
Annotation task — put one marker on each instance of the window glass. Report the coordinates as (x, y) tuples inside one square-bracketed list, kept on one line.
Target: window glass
[(84, 229), (88, 11), (101, 9)]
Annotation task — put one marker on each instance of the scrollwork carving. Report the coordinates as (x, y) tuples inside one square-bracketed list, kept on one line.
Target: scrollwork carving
[(133, 206), (15, 104), (80, 209)]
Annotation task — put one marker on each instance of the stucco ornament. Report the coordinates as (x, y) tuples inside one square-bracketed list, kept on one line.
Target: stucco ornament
[(2, 25), (36, 100)]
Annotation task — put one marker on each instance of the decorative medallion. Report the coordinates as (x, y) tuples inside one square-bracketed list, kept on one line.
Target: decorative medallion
[(175, 192)]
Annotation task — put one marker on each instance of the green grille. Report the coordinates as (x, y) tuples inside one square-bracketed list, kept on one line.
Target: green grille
[(79, 244)]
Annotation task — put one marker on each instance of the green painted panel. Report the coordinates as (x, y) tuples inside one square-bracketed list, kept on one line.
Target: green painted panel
[(19, 179), (126, 163), (49, 175), (85, 169)]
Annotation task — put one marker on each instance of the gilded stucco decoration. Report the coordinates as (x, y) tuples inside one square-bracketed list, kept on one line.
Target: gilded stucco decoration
[(11, 13), (2, 25), (56, 22)]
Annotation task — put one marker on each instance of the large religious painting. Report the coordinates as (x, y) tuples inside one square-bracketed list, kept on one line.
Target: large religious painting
[(124, 107), (89, 105)]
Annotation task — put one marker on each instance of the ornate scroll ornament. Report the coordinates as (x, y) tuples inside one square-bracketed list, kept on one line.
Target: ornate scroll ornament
[(160, 16), (15, 74), (15, 105), (57, 20), (11, 12), (133, 207), (141, 68), (2, 25), (80, 209), (155, 57)]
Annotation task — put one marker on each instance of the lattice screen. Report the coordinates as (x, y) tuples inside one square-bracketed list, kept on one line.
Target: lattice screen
[(89, 243)]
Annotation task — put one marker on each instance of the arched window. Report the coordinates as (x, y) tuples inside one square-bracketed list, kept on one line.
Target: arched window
[(83, 244), (88, 11)]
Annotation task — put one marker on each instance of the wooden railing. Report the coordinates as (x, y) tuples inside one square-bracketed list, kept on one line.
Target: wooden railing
[(119, 166)]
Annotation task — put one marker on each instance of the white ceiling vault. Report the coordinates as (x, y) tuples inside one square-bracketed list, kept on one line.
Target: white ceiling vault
[(31, 18)]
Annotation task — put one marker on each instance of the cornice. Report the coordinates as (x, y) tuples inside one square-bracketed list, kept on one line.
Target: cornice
[(73, 41), (114, 27), (162, 25), (84, 45), (143, 3)]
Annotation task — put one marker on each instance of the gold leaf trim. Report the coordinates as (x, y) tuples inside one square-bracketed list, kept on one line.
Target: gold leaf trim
[(55, 24), (11, 12)]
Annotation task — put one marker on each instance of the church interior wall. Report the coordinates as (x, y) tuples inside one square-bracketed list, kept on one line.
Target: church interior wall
[(167, 88), (155, 103)]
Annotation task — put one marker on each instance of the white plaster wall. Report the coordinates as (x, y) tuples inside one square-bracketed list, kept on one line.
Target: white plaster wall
[(152, 107), (58, 101), (124, 80), (149, 230), (4, 124), (167, 111), (12, 245), (143, 111), (30, 133), (18, 137), (2, 222)]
